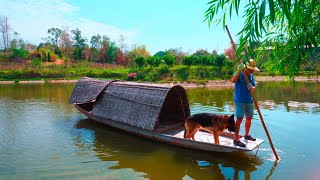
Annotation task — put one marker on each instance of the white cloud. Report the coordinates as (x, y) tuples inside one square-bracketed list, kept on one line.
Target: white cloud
[(32, 18)]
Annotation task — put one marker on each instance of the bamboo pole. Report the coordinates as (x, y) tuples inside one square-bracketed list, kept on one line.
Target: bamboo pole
[(256, 104)]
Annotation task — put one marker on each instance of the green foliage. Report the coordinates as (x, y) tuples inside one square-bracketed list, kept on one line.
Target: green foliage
[(283, 33), (77, 53), (188, 60), (169, 59), (201, 52), (79, 44), (163, 69), (201, 72), (205, 60), (150, 61), (55, 34), (153, 77), (57, 71), (140, 61), (49, 57), (160, 54), (156, 61), (153, 61), (138, 51), (181, 72), (36, 63), (20, 53), (219, 62), (112, 53)]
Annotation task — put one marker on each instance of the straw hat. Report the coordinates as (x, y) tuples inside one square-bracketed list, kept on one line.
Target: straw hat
[(252, 65)]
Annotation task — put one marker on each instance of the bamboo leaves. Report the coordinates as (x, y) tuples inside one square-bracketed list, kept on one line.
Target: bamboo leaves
[(272, 13), (273, 28)]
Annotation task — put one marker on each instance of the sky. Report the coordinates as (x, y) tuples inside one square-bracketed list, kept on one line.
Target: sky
[(157, 24)]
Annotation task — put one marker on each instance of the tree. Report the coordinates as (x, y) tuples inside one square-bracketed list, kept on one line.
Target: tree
[(19, 55), (122, 59), (219, 61), (86, 52), (177, 53), (201, 52), (49, 57), (288, 30), (66, 43), (78, 40), (54, 38), (111, 53), (169, 59), (4, 29), (150, 61), (96, 41), (160, 53), (122, 44), (187, 60), (138, 51), (79, 44), (14, 41), (214, 53), (105, 43), (230, 53)]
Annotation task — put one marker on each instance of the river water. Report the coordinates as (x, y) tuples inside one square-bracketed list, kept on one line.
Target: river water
[(44, 137)]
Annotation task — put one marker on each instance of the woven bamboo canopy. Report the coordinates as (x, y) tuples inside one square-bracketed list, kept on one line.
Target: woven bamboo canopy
[(146, 106)]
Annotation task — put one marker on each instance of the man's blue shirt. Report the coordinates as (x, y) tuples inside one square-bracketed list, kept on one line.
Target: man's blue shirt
[(241, 92)]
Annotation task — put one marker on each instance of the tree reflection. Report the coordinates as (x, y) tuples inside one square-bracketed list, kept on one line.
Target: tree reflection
[(298, 96)]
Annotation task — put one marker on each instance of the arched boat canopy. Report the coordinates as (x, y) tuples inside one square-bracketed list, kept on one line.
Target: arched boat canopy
[(147, 106)]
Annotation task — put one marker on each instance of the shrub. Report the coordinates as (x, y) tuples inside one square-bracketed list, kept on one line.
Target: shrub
[(169, 60), (187, 60), (201, 72), (36, 63), (140, 61), (163, 69), (150, 61), (20, 53), (182, 73), (112, 74), (132, 76), (154, 76)]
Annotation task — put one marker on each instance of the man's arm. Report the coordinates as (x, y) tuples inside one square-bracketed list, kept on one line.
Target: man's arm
[(235, 78)]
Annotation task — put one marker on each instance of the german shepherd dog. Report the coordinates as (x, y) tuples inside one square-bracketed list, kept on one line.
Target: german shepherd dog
[(210, 122)]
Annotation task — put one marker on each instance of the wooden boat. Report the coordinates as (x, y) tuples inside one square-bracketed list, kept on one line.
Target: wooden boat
[(152, 111)]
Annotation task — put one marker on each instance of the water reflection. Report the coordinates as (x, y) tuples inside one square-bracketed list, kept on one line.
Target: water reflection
[(159, 160), (44, 137), (299, 97), (275, 164)]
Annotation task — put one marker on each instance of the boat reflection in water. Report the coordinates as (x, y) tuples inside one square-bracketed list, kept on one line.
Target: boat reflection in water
[(156, 160)]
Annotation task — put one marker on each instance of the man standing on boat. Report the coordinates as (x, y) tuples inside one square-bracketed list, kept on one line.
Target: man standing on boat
[(243, 99)]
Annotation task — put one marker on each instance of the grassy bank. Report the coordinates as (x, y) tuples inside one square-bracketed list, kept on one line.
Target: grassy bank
[(18, 72), (162, 73)]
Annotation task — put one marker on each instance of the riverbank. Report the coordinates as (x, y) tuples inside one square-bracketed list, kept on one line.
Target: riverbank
[(210, 83)]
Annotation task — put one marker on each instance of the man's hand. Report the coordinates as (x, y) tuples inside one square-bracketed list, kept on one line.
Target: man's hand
[(250, 87)]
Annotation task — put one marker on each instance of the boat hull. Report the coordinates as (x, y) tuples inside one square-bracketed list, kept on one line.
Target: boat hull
[(175, 137)]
